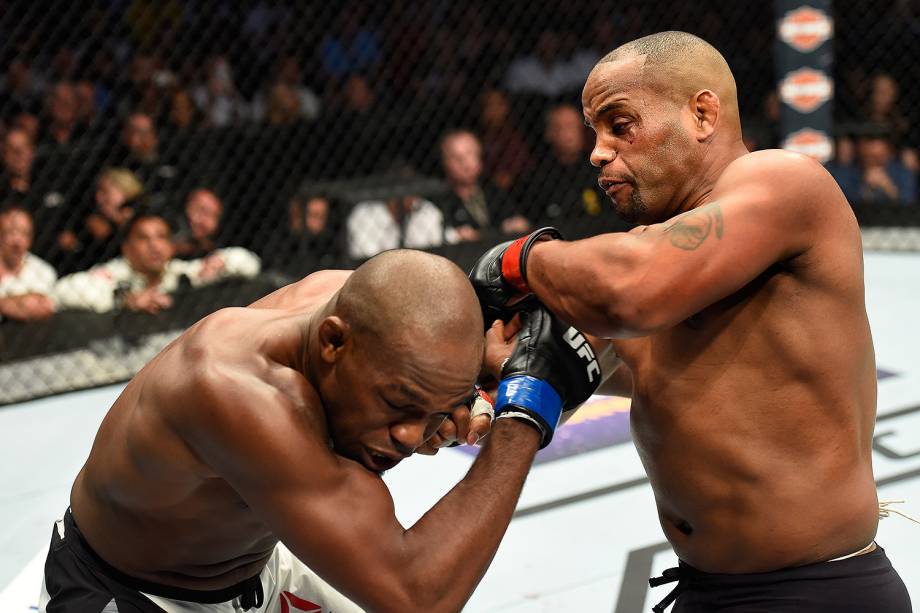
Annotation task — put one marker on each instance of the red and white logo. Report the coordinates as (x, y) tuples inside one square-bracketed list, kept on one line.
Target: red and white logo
[(805, 29), (806, 89), (813, 143), (290, 602)]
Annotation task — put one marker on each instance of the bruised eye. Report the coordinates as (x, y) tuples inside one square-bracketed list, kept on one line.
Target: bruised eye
[(620, 128)]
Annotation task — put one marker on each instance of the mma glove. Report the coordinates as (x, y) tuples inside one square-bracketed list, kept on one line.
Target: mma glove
[(500, 274), (552, 369)]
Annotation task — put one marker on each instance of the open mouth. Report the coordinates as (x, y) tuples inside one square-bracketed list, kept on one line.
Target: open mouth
[(378, 462)]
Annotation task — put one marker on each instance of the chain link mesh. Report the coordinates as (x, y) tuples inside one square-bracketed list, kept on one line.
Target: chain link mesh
[(231, 147)]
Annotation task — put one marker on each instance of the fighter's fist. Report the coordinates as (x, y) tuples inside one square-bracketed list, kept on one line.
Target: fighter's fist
[(553, 368), (465, 425), (500, 275)]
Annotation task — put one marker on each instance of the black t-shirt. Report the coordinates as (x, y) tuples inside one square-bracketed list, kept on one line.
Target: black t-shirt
[(498, 206), (567, 196)]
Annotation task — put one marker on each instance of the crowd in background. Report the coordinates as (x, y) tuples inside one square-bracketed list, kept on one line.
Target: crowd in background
[(149, 145)]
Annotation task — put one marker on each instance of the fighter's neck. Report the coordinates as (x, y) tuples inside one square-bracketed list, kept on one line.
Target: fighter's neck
[(700, 191), (309, 358)]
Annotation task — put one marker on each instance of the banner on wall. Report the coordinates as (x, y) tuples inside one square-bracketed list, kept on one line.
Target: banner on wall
[(804, 59)]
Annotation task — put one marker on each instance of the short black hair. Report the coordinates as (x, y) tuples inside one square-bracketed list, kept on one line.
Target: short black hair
[(143, 213)]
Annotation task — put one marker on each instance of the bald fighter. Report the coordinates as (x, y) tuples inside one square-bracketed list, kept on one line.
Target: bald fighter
[(272, 423), (737, 309)]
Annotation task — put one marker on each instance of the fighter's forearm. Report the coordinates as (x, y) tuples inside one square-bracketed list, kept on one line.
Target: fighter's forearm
[(454, 542), (591, 283)]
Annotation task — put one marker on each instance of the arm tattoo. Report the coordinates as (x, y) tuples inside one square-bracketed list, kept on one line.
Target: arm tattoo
[(693, 228)]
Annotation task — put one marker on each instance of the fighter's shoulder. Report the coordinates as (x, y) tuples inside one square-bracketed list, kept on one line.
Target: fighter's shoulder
[(782, 177), (313, 288), (219, 370)]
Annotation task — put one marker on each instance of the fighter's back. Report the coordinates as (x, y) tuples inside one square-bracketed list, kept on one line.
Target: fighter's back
[(144, 488), (754, 417)]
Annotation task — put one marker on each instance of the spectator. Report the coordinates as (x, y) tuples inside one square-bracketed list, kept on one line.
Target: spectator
[(20, 90), (876, 175), (62, 127), (882, 106), (404, 221), (563, 189), (763, 131), (28, 123), (183, 115), (351, 47), (198, 230), (505, 154), (313, 240), (19, 185), (217, 98), (146, 275), (356, 131), (473, 208), (86, 111), (96, 238), (288, 99), (545, 71), (25, 279), (18, 158), (143, 158)]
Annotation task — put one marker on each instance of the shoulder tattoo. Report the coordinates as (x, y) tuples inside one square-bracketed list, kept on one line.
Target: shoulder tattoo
[(691, 229)]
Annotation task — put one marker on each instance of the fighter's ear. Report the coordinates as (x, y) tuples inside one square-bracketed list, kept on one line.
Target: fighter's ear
[(333, 335), (705, 107)]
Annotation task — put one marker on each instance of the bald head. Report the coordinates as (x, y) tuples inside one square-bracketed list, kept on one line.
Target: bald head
[(679, 65), (406, 296)]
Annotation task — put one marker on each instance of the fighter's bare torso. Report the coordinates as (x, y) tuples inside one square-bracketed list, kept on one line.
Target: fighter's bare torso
[(754, 417), (144, 500)]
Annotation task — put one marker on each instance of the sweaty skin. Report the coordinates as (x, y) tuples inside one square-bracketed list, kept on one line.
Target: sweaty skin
[(738, 310), (221, 446)]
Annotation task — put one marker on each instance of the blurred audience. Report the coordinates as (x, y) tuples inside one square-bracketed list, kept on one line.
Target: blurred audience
[(400, 222), (563, 189), (505, 154), (183, 114), (26, 281), (351, 47), (21, 185), (61, 126), (762, 131), (287, 99), (217, 96), (474, 209), (141, 155), (198, 230), (21, 89), (95, 238), (872, 172), (146, 275), (313, 240), (16, 178), (545, 70)]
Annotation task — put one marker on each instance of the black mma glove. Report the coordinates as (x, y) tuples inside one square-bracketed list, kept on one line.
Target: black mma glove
[(553, 368), (500, 274)]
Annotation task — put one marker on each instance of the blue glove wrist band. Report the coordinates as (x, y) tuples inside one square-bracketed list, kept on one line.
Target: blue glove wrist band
[(533, 395)]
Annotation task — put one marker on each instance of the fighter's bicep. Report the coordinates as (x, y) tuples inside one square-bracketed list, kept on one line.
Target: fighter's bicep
[(713, 251)]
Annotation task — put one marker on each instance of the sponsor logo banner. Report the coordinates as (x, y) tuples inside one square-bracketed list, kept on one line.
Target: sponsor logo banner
[(813, 143), (806, 89), (805, 29)]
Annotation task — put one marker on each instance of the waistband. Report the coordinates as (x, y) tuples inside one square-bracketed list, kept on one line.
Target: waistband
[(249, 591), (687, 577)]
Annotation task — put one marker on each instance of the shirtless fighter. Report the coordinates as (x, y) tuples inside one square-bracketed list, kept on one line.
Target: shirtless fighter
[(272, 423), (737, 308)]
